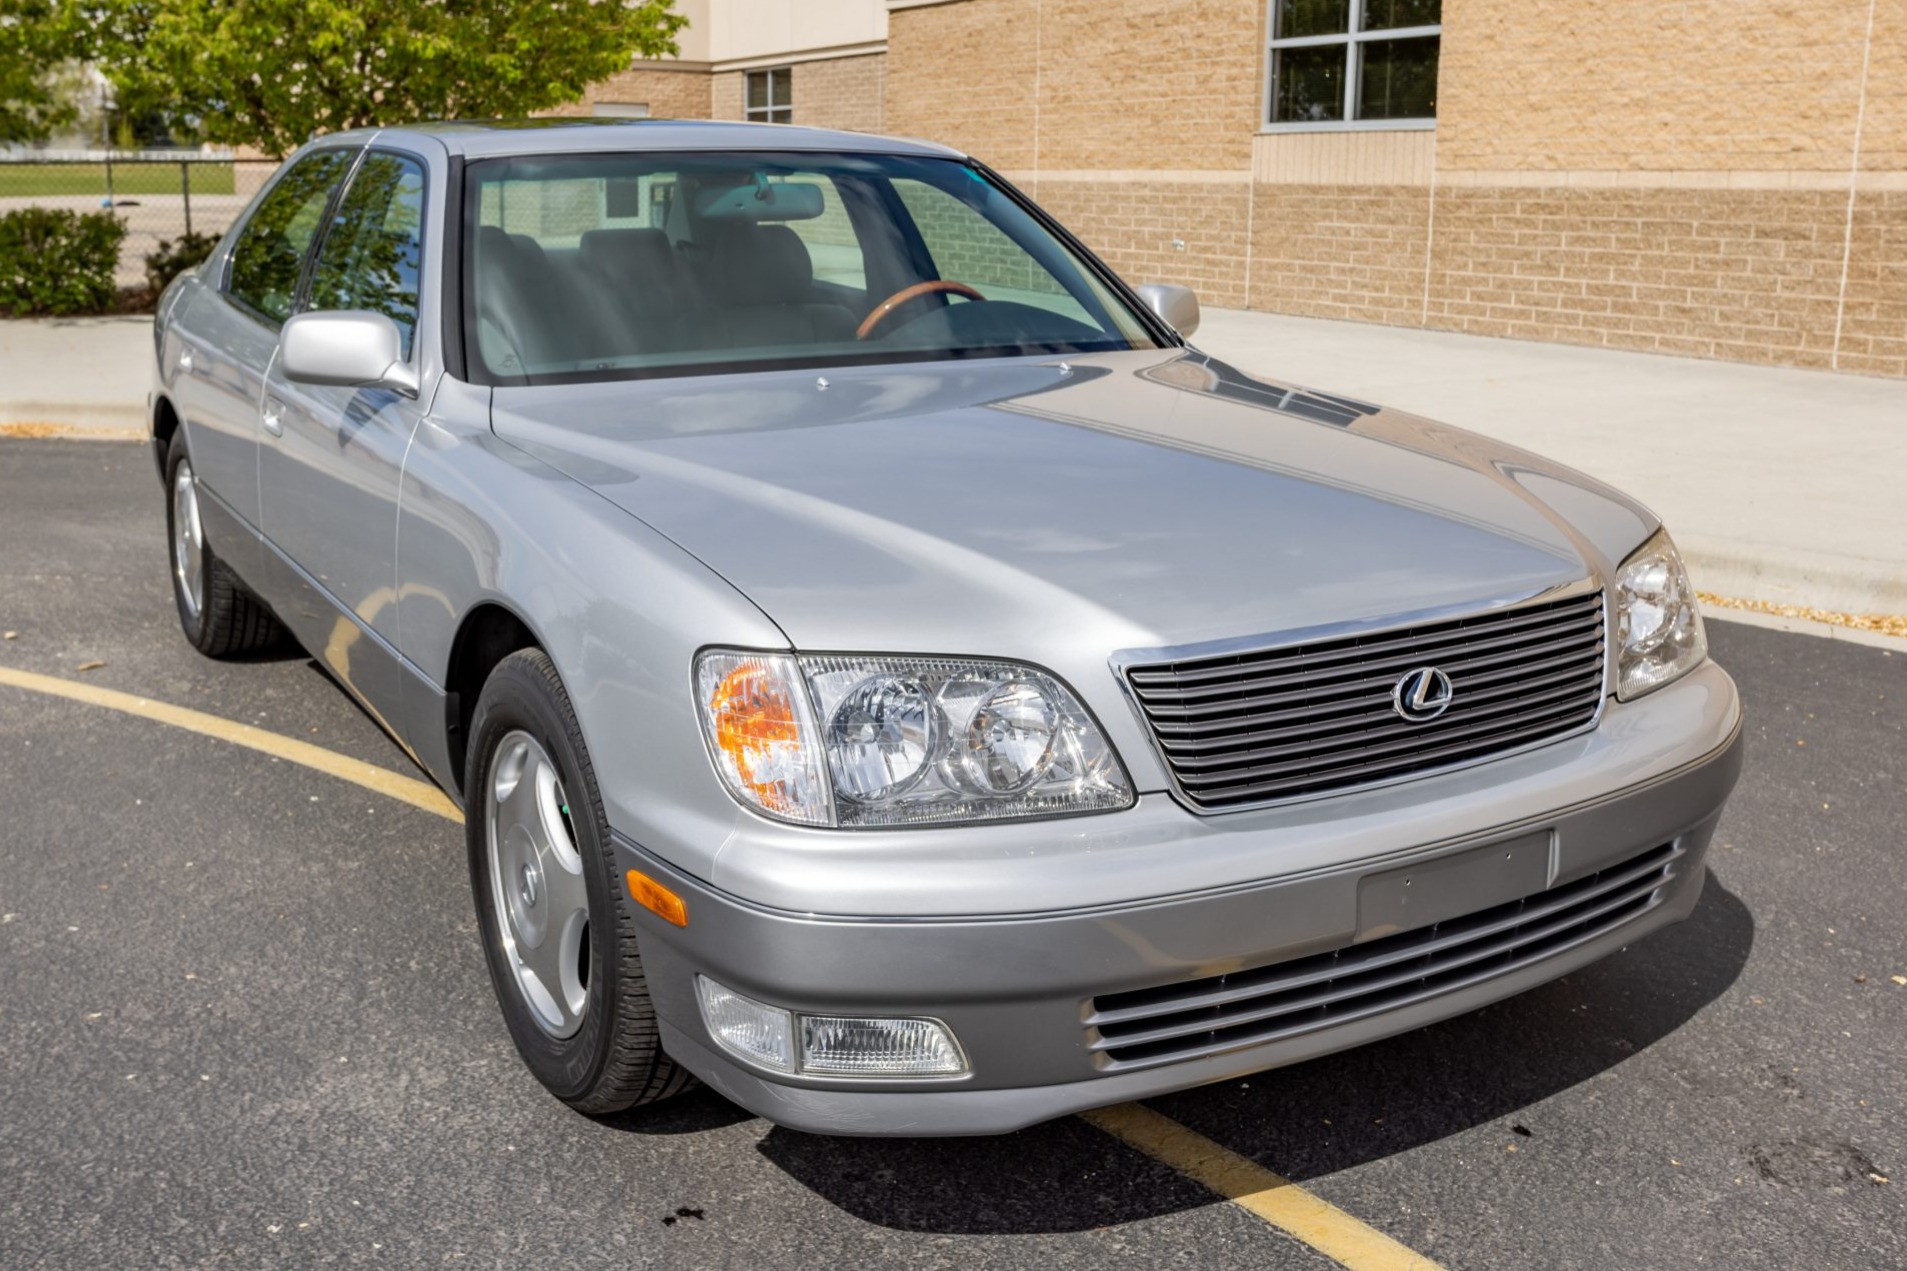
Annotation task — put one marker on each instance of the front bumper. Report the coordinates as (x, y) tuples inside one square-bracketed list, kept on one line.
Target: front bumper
[(1019, 991)]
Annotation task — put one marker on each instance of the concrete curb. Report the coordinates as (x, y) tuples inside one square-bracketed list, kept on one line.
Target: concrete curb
[(72, 417), (41, 430), (1809, 580), (1806, 626)]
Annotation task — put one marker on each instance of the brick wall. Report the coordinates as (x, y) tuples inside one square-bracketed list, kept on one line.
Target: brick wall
[(841, 92), (1136, 225), (1087, 83), (1874, 320), (669, 93), (1137, 84), (1644, 85), (963, 74), (727, 91), (1884, 127), (1340, 251), (1751, 274)]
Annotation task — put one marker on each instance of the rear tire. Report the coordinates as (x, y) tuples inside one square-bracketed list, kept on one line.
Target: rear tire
[(558, 932), (219, 617)]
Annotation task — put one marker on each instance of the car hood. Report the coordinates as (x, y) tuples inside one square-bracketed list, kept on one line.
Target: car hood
[(1018, 507)]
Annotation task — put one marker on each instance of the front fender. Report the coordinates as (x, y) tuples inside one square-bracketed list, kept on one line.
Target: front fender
[(619, 609)]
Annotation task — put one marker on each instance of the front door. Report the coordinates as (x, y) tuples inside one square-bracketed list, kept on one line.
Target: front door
[(230, 339), (331, 459)]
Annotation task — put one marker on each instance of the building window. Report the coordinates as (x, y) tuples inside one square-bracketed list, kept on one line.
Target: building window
[(771, 96), (1351, 63)]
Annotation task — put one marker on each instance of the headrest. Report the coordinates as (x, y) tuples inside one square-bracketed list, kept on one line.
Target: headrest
[(765, 265), (634, 252), (492, 238)]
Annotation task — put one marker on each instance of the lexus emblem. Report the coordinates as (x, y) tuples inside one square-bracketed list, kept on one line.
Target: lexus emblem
[(1422, 695)]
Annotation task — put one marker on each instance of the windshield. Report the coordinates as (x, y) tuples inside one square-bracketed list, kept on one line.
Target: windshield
[(615, 266)]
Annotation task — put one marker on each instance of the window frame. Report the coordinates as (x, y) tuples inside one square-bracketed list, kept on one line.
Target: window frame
[(354, 155), (766, 114), (1349, 40), (302, 300)]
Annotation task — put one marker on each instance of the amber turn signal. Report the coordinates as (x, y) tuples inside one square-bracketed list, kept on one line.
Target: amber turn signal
[(656, 898), (755, 725)]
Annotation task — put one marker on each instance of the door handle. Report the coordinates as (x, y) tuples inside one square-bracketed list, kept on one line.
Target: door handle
[(274, 416), (185, 359)]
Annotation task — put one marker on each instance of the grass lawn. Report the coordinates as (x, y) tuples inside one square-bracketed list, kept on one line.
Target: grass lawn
[(38, 180)]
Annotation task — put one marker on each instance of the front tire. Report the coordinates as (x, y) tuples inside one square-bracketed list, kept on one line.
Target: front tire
[(219, 617), (557, 931)]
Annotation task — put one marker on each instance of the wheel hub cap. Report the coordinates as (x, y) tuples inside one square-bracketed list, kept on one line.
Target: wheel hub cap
[(536, 879), (188, 540)]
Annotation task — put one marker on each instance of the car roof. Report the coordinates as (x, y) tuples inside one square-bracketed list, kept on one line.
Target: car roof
[(482, 138)]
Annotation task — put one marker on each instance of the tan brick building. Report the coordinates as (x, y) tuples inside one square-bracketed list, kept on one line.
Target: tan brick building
[(1723, 178)]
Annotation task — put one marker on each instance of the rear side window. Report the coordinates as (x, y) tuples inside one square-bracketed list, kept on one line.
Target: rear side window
[(371, 256), (270, 250)]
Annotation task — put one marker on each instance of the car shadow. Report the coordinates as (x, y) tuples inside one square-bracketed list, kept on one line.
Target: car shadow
[(1305, 1121)]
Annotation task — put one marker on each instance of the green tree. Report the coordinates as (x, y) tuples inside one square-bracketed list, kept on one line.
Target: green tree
[(39, 39), (273, 73)]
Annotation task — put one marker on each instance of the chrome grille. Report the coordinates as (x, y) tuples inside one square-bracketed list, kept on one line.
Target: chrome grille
[(1246, 1008), (1248, 728)]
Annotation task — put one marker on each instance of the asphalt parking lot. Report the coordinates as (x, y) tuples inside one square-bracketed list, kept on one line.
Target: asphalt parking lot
[(244, 1018)]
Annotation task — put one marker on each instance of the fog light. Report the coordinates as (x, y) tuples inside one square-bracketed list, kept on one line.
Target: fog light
[(849, 1046), (831, 1045), (760, 1034)]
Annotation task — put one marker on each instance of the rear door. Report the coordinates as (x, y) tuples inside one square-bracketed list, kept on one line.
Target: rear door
[(331, 459), (228, 340)]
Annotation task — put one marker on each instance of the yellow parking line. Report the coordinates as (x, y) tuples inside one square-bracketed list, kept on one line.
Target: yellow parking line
[(419, 794), (1245, 1183), (1252, 1187)]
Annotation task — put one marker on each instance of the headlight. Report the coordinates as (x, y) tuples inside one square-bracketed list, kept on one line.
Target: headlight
[(875, 741), (1657, 622)]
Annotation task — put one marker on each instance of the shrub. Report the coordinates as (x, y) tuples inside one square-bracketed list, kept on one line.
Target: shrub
[(174, 256), (54, 262)]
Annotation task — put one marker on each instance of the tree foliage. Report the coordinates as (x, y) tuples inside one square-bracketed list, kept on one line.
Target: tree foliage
[(39, 39), (273, 73)]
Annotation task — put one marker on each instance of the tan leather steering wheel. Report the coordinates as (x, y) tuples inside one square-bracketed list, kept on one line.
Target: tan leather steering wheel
[(905, 294)]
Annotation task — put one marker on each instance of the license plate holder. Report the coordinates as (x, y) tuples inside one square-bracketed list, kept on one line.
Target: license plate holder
[(1451, 886)]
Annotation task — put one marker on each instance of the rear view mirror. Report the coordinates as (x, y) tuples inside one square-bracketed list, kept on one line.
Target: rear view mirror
[(1177, 306), (350, 348), (762, 201)]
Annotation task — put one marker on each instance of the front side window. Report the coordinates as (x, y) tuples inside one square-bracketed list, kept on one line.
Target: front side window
[(1339, 63), (270, 252), (771, 96), (617, 266), (374, 249)]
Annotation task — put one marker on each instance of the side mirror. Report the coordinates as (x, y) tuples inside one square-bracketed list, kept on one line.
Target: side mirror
[(1178, 306), (351, 348)]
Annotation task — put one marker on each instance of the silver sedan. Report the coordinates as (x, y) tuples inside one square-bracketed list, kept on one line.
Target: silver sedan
[(889, 674)]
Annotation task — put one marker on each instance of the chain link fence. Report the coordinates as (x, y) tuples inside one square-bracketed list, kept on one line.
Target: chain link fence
[(160, 195)]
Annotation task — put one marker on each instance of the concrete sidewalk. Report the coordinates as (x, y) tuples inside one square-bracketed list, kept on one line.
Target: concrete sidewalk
[(1779, 485), (90, 374)]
